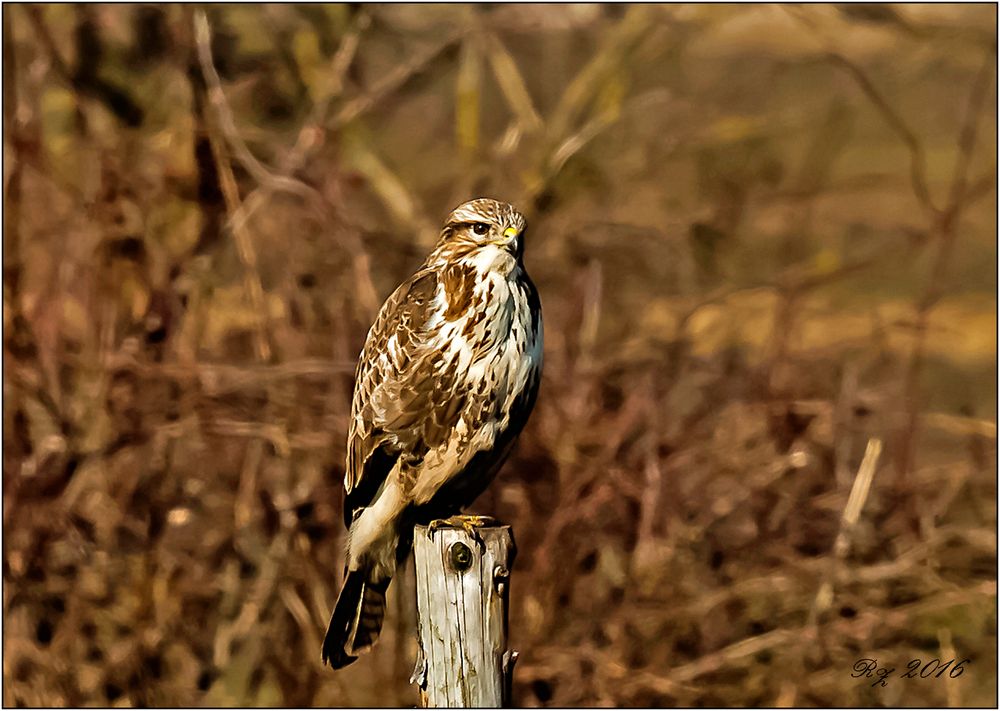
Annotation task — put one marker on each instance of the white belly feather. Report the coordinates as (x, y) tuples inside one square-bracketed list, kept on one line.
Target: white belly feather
[(502, 348)]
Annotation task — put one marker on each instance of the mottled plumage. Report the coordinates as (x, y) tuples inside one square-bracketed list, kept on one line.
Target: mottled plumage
[(445, 382)]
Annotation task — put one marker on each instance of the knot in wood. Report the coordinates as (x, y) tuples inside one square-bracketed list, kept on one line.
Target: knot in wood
[(500, 577), (461, 557)]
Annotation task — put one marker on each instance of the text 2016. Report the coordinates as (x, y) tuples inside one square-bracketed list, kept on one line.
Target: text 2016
[(869, 668)]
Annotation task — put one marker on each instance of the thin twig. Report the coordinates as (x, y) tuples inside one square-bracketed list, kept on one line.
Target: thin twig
[(848, 520), (918, 161), (617, 44), (562, 140), (898, 125), (947, 647), (392, 81), (230, 191), (512, 84), (12, 265), (858, 496), (311, 133), (42, 31), (468, 97), (943, 226), (398, 199), (960, 178), (227, 124), (256, 602), (970, 128), (309, 137)]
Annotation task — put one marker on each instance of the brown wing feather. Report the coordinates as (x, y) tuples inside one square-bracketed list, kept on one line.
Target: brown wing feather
[(391, 393)]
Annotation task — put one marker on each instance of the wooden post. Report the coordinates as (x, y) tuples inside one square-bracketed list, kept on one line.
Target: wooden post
[(462, 593)]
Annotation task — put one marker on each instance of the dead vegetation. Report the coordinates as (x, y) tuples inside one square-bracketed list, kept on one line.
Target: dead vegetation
[(765, 242)]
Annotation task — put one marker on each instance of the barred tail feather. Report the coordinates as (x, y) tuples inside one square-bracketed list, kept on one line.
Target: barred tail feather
[(356, 621)]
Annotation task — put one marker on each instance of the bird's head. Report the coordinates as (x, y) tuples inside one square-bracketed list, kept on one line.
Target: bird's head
[(482, 225)]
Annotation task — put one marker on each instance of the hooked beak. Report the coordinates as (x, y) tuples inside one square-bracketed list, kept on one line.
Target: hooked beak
[(511, 241), (510, 236)]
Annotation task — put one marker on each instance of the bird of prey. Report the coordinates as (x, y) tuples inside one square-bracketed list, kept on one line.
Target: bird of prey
[(445, 383)]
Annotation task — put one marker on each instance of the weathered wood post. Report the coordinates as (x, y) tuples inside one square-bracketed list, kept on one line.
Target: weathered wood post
[(462, 591)]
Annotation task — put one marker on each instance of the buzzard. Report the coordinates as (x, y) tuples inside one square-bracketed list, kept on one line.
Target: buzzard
[(446, 380)]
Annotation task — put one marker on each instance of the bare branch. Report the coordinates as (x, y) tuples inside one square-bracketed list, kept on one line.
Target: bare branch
[(311, 133), (898, 125), (227, 124), (397, 198), (918, 161), (392, 81), (619, 41), (227, 182), (944, 226), (848, 520), (967, 136), (512, 84)]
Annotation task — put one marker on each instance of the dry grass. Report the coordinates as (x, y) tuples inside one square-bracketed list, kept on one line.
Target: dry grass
[(764, 239)]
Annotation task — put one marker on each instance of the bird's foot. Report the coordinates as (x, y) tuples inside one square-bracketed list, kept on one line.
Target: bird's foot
[(469, 524)]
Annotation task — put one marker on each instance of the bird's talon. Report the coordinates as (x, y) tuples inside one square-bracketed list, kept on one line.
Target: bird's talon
[(469, 524), (473, 532), (437, 523)]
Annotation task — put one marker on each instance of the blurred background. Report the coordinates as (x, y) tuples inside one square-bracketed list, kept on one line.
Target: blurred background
[(764, 236)]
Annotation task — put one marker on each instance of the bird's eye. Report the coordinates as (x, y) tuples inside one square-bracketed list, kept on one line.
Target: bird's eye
[(480, 228)]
